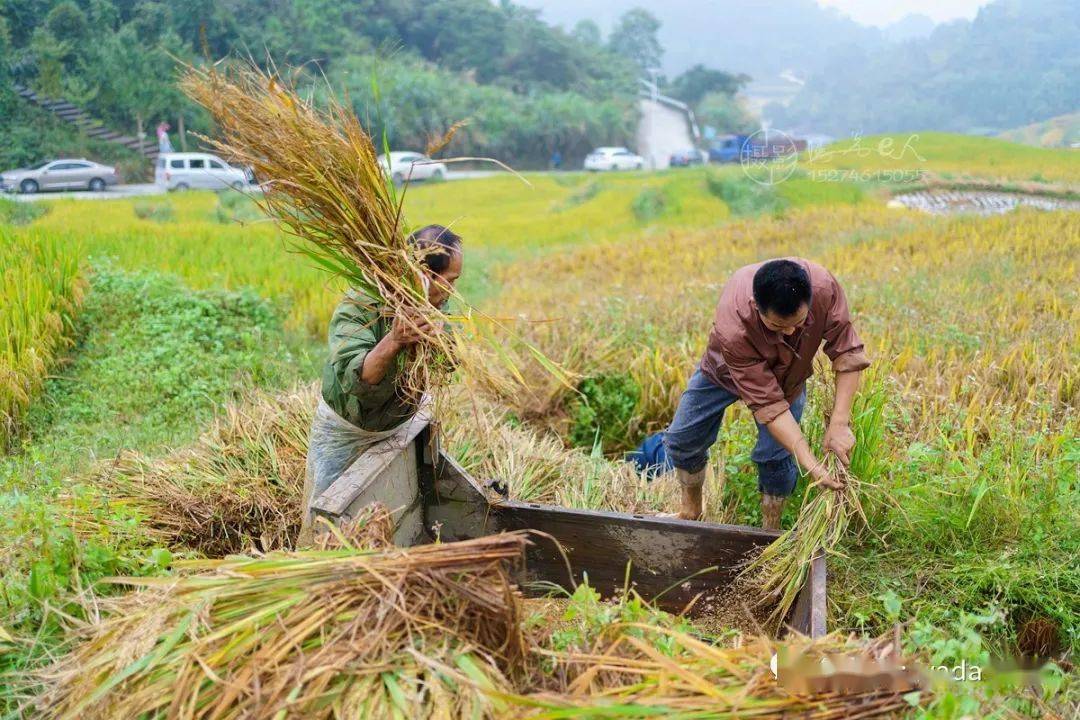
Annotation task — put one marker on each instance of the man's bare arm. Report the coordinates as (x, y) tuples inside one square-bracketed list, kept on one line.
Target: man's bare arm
[(787, 432), (839, 439)]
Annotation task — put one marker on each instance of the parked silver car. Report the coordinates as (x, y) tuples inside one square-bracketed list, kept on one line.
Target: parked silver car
[(81, 174)]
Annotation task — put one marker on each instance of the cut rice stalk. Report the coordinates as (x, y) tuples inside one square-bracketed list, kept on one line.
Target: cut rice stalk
[(317, 634), (780, 571), (325, 186), (323, 183)]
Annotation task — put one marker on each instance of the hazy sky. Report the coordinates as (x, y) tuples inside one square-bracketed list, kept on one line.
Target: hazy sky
[(868, 12), (883, 12)]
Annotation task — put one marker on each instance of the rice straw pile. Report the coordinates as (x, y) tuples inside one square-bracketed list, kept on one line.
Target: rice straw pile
[(434, 631), (325, 187), (325, 633), (235, 489), (641, 670)]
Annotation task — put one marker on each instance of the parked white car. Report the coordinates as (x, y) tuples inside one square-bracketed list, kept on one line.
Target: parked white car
[(81, 174), (187, 171), (613, 158), (410, 166)]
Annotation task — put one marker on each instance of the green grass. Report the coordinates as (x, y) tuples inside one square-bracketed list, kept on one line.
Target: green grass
[(154, 362), (156, 210)]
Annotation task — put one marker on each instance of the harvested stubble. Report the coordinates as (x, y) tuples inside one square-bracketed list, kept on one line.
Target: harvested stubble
[(319, 634), (235, 489)]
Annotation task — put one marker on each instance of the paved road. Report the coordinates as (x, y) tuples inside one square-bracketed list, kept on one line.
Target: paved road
[(124, 191)]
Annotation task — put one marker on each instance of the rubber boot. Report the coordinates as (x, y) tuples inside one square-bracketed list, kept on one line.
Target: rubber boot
[(771, 508), (692, 504)]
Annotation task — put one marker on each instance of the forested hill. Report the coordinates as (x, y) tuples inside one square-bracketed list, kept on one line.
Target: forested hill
[(1017, 62), (527, 87)]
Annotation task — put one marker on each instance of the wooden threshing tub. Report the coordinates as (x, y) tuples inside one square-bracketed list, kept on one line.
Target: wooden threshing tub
[(673, 560)]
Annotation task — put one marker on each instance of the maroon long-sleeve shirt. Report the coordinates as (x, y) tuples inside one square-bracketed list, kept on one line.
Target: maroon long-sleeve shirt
[(766, 369)]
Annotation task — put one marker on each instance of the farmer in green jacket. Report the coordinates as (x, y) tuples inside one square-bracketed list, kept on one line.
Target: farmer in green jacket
[(361, 401)]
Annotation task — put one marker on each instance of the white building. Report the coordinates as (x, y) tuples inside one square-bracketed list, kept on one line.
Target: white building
[(666, 126)]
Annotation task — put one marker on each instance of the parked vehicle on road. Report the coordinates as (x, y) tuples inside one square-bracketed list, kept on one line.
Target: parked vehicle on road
[(80, 174), (759, 146), (686, 158), (188, 171), (613, 158), (409, 166)]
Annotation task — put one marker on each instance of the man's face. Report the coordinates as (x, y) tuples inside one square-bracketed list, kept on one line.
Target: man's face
[(442, 284), (785, 325)]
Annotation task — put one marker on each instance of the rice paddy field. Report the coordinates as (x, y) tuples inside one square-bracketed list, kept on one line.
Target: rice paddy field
[(157, 423)]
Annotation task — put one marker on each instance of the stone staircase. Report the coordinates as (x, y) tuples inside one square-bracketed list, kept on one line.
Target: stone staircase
[(87, 125)]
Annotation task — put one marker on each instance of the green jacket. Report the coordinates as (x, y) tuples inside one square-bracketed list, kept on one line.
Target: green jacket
[(356, 327)]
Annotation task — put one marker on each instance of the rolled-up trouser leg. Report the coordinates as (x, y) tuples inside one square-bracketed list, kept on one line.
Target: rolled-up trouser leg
[(696, 424), (777, 470)]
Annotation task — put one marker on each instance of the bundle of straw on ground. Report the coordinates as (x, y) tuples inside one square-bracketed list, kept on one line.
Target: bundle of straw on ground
[(640, 670), (324, 185), (326, 633), (237, 488)]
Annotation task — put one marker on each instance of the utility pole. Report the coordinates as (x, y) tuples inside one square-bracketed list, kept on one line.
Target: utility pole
[(182, 132), (654, 72), (139, 133)]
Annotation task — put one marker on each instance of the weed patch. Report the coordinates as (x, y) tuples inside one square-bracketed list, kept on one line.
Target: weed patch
[(604, 414), (155, 210), (20, 213)]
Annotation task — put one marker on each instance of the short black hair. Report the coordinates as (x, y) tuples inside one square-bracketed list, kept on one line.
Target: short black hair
[(441, 241), (781, 286)]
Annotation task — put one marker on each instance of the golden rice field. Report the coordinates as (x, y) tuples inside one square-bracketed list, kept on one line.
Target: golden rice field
[(970, 412), (40, 290)]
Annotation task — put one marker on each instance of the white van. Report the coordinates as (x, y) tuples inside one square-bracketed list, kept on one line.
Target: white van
[(185, 171)]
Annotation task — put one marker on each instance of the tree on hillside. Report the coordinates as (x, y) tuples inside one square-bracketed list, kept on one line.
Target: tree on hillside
[(726, 113), (699, 81), (450, 58), (1014, 64), (587, 32), (636, 37), (7, 96), (462, 35)]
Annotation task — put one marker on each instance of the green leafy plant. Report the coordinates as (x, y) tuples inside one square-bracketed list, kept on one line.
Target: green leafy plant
[(604, 413)]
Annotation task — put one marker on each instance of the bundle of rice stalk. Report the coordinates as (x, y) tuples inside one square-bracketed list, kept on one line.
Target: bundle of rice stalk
[(779, 572), (318, 634), (777, 575), (236, 488), (325, 186), (649, 671)]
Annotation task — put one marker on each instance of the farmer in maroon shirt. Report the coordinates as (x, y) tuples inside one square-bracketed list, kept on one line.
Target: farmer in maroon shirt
[(771, 319)]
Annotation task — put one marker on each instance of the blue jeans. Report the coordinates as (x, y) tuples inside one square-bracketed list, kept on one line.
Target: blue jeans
[(685, 444)]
